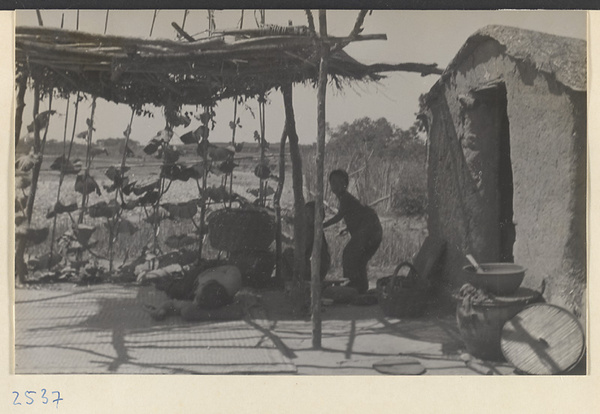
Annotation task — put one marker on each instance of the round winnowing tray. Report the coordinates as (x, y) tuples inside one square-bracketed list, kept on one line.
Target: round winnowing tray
[(543, 339)]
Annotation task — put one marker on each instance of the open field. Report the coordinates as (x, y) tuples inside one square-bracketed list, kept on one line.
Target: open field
[(402, 235)]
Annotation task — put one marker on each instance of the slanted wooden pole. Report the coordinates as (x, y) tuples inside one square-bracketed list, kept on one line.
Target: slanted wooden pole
[(297, 185), (185, 13), (39, 17), (153, 21), (106, 21), (242, 19), (318, 236)]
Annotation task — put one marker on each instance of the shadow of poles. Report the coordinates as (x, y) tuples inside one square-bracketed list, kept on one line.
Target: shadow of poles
[(277, 341), (351, 339)]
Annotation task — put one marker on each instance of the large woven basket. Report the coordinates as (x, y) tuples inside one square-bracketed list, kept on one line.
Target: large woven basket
[(403, 296), (241, 230), (256, 266)]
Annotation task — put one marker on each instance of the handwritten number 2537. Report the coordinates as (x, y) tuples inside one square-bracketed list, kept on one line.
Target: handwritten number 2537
[(30, 400)]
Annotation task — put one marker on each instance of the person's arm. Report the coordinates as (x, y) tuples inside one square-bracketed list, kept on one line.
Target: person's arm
[(335, 219), (340, 214)]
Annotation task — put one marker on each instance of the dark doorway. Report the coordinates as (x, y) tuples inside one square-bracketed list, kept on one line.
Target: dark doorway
[(505, 182), (492, 104), (489, 123)]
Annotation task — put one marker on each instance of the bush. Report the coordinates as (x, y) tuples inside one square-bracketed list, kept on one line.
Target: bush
[(386, 164)]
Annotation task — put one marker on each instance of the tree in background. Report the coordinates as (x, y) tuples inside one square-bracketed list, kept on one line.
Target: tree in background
[(385, 162)]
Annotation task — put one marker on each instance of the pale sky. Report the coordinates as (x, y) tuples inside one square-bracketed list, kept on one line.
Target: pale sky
[(413, 36)]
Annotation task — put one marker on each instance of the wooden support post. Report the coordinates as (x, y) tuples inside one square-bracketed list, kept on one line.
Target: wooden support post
[(114, 227), (62, 170), (261, 147), (21, 245), (204, 197), (318, 236), (277, 206), (37, 147), (22, 87), (296, 158), (88, 162)]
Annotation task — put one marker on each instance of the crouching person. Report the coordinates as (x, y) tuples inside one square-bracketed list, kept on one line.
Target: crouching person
[(364, 228), (213, 298)]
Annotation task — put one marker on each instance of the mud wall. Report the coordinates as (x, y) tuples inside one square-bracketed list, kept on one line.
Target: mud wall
[(547, 150)]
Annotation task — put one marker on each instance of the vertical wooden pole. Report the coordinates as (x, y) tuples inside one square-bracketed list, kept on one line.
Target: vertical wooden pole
[(20, 266), (88, 162), (296, 158), (235, 105), (37, 146), (62, 175), (277, 206), (204, 197), (261, 146), (22, 87), (318, 236), (119, 193)]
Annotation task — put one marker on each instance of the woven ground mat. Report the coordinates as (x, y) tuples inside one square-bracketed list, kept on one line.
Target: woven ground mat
[(104, 330)]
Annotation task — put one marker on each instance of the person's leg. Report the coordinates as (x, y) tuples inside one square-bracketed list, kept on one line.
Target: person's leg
[(354, 265), (368, 241)]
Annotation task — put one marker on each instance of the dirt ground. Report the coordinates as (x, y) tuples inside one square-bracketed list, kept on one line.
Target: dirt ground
[(63, 328)]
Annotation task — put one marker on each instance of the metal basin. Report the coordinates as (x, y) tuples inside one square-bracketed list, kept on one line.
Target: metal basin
[(500, 279)]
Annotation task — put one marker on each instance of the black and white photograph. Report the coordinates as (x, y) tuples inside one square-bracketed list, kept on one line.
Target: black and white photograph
[(301, 192)]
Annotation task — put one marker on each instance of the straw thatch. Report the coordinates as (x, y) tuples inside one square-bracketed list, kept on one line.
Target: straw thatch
[(564, 57), (232, 63)]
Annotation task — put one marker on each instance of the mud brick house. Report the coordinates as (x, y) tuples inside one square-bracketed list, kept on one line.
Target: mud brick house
[(507, 159)]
